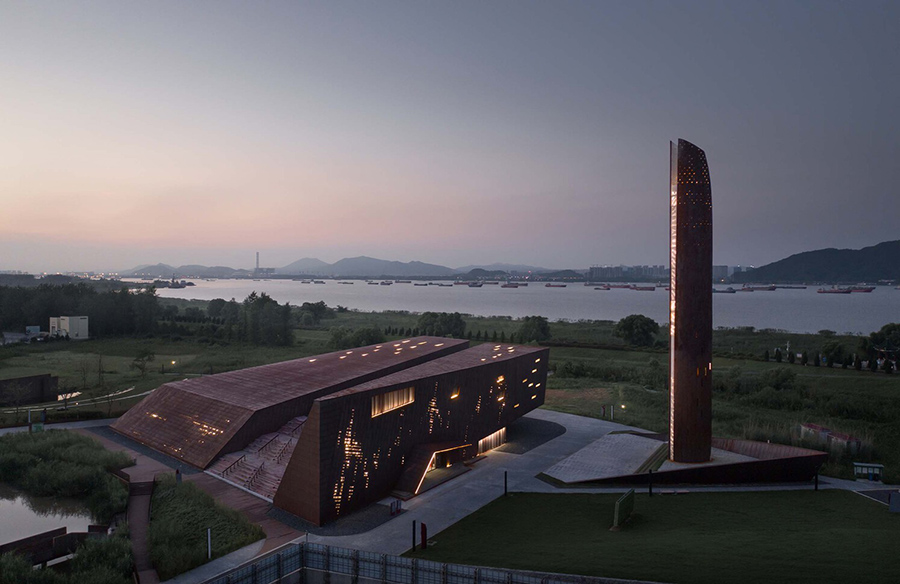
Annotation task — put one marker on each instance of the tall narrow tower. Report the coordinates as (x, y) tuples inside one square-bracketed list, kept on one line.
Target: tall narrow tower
[(690, 305)]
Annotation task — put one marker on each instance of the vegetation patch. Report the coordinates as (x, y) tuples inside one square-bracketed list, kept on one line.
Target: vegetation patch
[(58, 463), (789, 536), (96, 561), (180, 515)]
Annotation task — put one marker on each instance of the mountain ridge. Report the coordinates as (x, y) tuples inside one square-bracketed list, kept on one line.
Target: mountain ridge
[(868, 264)]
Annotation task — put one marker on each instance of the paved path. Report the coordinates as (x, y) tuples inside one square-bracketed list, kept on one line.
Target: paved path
[(446, 504), (140, 491), (62, 426)]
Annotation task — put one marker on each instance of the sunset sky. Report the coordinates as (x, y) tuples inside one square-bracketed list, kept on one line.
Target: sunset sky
[(446, 132)]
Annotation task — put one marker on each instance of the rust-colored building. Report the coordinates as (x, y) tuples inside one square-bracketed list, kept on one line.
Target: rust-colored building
[(324, 435), (690, 305)]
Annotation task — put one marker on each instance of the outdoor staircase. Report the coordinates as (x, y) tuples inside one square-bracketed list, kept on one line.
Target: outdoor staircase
[(260, 466)]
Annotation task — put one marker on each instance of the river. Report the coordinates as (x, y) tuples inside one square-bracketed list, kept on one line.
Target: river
[(786, 309), (22, 515)]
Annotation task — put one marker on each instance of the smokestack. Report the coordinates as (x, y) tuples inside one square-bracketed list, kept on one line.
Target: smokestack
[(257, 261)]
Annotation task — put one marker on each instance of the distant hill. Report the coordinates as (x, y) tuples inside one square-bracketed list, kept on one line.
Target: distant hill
[(869, 264), (361, 266), (189, 271), (305, 266), (371, 267), (508, 268), (482, 274)]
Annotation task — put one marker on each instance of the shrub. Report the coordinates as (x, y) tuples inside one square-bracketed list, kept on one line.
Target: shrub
[(180, 515)]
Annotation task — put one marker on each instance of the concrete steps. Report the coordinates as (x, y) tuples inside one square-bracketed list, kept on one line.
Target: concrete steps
[(260, 466)]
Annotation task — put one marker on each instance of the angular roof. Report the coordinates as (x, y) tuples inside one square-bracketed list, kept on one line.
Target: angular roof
[(484, 354), (194, 419)]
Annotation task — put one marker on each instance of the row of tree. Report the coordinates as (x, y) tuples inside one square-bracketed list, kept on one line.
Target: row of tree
[(110, 313)]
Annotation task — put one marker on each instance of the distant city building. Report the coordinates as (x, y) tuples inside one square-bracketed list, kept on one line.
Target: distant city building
[(720, 273), (599, 273), (690, 305), (75, 327)]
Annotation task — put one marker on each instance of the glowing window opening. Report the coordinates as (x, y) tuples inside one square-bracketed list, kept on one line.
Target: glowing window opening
[(392, 400)]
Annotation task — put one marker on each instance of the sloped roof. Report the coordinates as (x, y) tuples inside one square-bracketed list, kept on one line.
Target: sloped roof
[(194, 419)]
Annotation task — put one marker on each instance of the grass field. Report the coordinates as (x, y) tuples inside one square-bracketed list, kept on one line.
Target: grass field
[(751, 401), (796, 536)]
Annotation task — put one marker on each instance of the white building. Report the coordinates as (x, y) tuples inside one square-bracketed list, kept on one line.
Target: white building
[(76, 327)]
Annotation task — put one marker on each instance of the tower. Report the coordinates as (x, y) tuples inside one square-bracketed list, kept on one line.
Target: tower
[(690, 305)]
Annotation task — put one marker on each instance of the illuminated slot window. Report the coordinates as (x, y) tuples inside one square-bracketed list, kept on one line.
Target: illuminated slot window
[(343, 356), (534, 396), (381, 404), (406, 341), (312, 360), (439, 345), (492, 441), (365, 354), (455, 394), (537, 360)]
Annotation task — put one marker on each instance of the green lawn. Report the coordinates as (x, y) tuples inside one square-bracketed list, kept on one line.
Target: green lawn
[(798, 536)]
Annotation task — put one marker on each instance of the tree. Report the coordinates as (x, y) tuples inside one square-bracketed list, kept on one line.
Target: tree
[(67, 393), (766, 355), (442, 324), (478, 336), (342, 338), (833, 351), (804, 358), (534, 328), (817, 361), (857, 363), (215, 307), (792, 357), (778, 355), (637, 330), (142, 361), (888, 366), (873, 364)]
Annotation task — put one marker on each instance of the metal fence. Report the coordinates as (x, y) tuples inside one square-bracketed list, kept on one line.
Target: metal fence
[(310, 563)]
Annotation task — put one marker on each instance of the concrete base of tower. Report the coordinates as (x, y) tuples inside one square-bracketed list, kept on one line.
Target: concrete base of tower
[(629, 458)]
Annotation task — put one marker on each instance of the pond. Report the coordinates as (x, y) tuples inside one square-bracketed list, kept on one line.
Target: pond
[(22, 515)]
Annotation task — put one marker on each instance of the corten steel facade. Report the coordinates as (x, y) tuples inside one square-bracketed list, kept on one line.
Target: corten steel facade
[(351, 453), (198, 420), (690, 305), (374, 419)]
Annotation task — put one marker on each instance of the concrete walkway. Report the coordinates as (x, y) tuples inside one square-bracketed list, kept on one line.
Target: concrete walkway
[(62, 426), (446, 504)]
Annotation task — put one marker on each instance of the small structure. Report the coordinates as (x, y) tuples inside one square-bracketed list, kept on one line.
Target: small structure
[(871, 471), (74, 327), (32, 389)]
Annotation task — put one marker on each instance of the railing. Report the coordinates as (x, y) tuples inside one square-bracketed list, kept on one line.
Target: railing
[(313, 563), (266, 445), (255, 475), (283, 450), (232, 465)]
